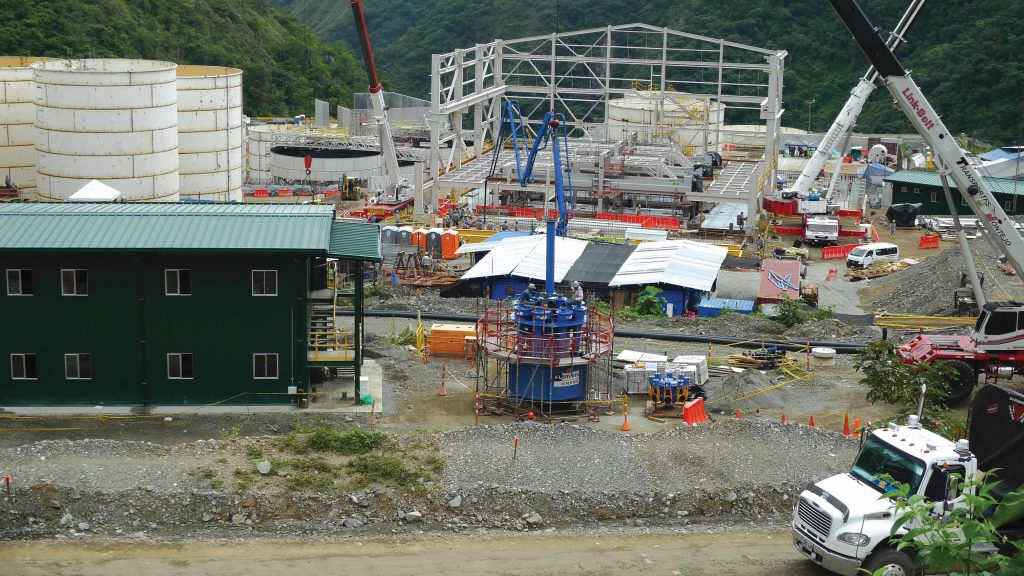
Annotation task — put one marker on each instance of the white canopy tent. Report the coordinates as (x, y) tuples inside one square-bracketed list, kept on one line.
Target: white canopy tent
[(96, 191)]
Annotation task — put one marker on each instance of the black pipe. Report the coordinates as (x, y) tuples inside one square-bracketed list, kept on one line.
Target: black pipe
[(840, 347)]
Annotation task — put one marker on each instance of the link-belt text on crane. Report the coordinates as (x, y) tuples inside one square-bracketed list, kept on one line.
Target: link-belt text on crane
[(922, 114), (983, 200)]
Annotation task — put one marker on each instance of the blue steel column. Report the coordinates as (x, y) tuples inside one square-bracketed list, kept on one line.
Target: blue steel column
[(549, 265)]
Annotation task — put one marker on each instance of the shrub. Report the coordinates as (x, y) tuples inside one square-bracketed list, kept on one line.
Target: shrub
[(379, 467)]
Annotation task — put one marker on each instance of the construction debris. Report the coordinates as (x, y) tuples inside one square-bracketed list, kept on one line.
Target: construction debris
[(876, 270)]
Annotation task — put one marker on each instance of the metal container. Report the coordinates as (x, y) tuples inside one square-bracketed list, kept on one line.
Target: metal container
[(210, 132), (110, 120)]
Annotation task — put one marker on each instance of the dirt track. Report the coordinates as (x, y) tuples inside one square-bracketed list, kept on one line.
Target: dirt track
[(734, 553)]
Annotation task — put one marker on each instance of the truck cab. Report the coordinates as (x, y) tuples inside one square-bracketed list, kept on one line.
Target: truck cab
[(843, 523), (822, 230)]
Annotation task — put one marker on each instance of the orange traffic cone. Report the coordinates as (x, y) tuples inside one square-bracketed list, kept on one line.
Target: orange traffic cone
[(846, 424), (783, 417), (856, 427), (444, 371), (811, 421), (626, 426), (738, 414)]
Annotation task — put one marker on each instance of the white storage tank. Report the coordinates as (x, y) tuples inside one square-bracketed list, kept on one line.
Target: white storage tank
[(259, 139), (210, 132), (687, 119), (17, 123), (115, 121)]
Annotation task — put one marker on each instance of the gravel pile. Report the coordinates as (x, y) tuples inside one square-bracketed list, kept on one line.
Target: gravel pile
[(743, 455), (729, 325), (549, 458), (925, 288), (729, 455), (830, 330), (85, 464), (405, 298)]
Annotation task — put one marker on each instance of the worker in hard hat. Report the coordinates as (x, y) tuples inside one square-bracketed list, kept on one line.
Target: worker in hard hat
[(530, 294)]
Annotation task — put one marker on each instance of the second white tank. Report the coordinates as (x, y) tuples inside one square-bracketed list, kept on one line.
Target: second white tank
[(111, 120)]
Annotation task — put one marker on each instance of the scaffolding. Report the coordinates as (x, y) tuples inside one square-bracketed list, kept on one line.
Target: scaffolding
[(502, 348)]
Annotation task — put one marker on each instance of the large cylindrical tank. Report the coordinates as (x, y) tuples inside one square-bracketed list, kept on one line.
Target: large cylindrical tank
[(111, 120), (685, 119), (210, 132), (17, 123)]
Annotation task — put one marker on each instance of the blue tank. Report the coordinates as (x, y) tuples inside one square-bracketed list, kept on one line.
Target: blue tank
[(549, 349)]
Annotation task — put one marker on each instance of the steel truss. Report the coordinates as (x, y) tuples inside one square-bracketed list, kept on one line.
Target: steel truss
[(578, 73)]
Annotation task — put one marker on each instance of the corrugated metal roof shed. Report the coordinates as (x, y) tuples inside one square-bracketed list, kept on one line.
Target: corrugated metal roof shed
[(488, 243), (599, 263), (525, 257), (355, 241), (175, 227), (675, 262), (927, 178)]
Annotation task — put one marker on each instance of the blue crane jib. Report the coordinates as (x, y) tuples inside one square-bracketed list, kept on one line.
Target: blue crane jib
[(513, 126)]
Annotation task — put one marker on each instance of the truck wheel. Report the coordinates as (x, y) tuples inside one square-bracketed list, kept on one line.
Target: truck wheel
[(891, 562), (964, 379)]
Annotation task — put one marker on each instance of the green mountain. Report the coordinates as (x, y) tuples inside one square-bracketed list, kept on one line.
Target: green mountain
[(332, 19), (962, 53), (286, 65)]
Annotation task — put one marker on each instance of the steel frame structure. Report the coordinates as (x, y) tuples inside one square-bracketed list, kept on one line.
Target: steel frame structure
[(578, 73)]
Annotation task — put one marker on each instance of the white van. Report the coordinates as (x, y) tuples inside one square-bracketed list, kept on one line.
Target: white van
[(867, 254)]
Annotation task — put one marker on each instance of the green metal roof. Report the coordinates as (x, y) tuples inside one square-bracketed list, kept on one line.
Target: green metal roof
[(172, 227), (929, 178), (355, 241)]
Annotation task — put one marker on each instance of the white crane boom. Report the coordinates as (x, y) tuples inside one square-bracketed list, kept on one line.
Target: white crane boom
[(847, 118), (912, 101)]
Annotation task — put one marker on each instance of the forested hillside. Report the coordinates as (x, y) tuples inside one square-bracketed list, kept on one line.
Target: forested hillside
[(286, 65), (964, 54), (332, 19)]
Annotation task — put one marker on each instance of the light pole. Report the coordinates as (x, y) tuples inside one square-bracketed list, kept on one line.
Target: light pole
[(809, 104)]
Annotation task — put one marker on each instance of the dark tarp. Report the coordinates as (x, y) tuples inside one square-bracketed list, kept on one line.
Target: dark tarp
[(997, 435), (903, 214), (599, 263)]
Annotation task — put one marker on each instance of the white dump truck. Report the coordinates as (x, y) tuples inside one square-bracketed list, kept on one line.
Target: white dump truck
[(844, 523)]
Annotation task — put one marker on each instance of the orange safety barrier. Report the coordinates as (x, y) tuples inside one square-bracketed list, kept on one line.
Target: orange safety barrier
[(928, 241), (284, 192), (261, 193), (836, 252), (693, 412)]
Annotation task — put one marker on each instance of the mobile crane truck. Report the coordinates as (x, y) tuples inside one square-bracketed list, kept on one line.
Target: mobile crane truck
[(843, 523)]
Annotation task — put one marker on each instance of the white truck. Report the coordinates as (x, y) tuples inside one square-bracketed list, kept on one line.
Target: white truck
[(844, 523), (821, 229)]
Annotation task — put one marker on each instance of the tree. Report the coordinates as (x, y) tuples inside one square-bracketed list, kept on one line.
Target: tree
[(891, 381), (943, 542)]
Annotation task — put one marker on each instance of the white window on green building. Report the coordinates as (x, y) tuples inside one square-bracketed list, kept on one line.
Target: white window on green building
[(264, 366), (178, 282), (74, 282), (264, 282), (78, 366), (19, 282), (23, 366)]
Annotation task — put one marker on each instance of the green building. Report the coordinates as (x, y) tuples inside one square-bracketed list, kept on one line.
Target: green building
[(925, 188), (169, 304)]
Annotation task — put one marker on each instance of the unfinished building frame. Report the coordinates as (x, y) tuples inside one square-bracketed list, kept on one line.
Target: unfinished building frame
[(580, 74)]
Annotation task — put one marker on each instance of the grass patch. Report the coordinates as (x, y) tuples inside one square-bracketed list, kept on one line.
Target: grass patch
[(233, 433), (310, 465), (203, 473), (253, 453), (216, 484), (222, 460), (369, 468), (243, 485), (349, 442), (435, 463), (404, 338), (303, 481)]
